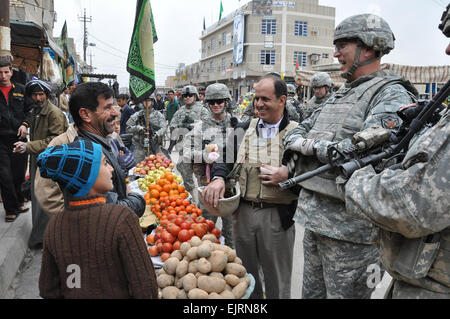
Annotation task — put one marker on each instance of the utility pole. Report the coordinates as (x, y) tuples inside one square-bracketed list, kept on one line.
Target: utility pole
[(5, 30), (84, 19)]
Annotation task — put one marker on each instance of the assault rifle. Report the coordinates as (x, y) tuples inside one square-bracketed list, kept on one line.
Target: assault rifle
[(372, 146)]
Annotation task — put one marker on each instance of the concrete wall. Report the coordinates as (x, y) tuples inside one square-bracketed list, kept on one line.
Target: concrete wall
[(41, 12)]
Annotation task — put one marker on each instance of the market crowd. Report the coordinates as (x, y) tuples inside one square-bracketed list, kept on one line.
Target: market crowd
[(82, 144)]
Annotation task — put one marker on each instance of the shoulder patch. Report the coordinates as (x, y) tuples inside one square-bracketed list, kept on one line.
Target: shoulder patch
[(390, 122)]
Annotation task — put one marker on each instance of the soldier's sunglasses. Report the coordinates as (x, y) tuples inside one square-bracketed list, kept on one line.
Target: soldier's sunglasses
[(188, 95), (212, 102)]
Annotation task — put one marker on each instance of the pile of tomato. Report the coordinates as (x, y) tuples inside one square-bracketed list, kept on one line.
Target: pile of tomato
[(176, 228)]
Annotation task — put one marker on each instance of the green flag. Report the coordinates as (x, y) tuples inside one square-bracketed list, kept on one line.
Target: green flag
[(221, 10), (140, 63), (65, 63)]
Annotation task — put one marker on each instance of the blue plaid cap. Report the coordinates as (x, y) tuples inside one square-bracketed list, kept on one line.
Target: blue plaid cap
[(74, 166)]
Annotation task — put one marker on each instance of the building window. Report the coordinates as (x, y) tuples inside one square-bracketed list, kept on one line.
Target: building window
[(213, 43), (301, 28), (224, 63), (324, 55), (268, 57), (211, 66), (269, 26), (224, 39), (300, 57)]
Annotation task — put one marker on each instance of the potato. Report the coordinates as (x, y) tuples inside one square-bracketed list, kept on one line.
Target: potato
[(232, 280), (245, 279), (239, 290), (170, 265), (189, 282), (209, 237), (228, 287), (231, 254), (211, 284), (161, 272), (203, 265), (198, 274), (237, 260), (182, 268), (192, 267), (227, 294), (235, 269), (159, 293), (165, 280), (178, 283), (192, 253), (177, 254), (185, 247), (195, 241), (197, 293), (170, 292), (217, 275), (182, 294), (204, 250), (214, 295), (218, 260)]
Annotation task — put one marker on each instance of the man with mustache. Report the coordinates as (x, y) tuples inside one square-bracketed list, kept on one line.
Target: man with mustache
[(337, 246), (47, 122), (91, 106)]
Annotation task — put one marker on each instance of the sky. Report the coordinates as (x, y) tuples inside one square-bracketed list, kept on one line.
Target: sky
[(179, 24)]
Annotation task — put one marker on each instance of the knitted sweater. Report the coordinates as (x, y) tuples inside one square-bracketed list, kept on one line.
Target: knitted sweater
[(93, 250)]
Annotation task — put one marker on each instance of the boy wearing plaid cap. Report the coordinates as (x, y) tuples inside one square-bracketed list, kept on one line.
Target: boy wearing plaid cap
[(91, 249)]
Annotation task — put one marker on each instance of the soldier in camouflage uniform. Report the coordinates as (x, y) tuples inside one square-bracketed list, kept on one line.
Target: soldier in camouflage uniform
[(321, 84), (183, 122), (292, 105), (212, 131), (136, 125), (411, 207), (338, 254)]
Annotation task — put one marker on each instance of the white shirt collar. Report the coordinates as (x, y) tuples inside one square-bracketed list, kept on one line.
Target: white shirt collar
[(264, 128)]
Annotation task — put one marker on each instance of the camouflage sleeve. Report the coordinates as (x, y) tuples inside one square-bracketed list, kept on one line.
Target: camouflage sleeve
[(385, 107), (192, 143), (162, 124), (132, 128), (382, 113), (176, 120), (413, 202), (301, 130)]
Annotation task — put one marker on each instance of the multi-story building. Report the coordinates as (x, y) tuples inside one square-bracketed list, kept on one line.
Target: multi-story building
[(40, 12), (291, 35)]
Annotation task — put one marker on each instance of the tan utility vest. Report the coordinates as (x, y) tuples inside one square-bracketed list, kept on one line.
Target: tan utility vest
[(255, 151), (341, 118)]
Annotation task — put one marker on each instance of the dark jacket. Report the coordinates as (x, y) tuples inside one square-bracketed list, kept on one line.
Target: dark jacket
[(126, 113), (15, 113), (119, 196), (286, 212)]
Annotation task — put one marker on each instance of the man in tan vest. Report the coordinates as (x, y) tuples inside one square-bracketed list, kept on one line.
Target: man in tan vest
[(262, 224)]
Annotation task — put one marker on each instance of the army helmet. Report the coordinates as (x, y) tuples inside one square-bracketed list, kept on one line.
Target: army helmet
[(444, 26), (370, 29), (321, 79), (189, 89), (291, 89), (217, 91)]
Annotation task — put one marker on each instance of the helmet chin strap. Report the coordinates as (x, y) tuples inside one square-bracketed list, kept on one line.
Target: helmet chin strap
[(357, 63)]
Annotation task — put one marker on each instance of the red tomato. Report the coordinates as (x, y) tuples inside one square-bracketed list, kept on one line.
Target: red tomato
[(159, 246), (216, 232), (165, 256), (153, 251), (167, 237), (184, 235), (184, 225), (172, 217), (200, 230), (150, 239), (179, 220), (210, 224), (191, 232), (174, 230), (176, 245), (167, 248), (200, 219)]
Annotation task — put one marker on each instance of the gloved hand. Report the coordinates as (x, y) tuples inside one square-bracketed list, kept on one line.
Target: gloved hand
[(291, 158), (127, 160), (140, 128), (302, 145)]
